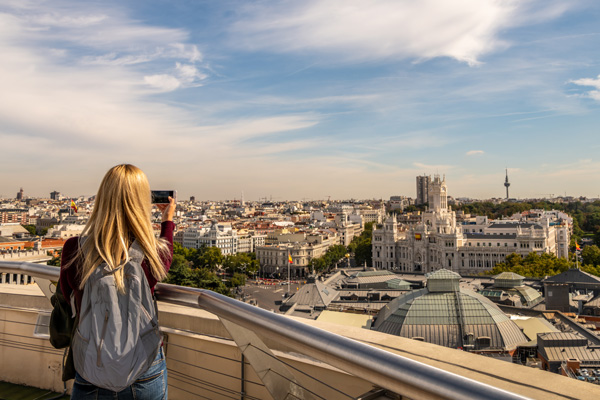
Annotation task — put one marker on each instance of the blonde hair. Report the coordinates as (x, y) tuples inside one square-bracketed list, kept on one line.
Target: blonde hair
[(121, 214)]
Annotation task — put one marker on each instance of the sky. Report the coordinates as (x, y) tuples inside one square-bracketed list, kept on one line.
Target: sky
[(293, 100)]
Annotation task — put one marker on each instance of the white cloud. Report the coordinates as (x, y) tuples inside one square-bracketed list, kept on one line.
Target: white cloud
[(589, 82), (189, 73), (84, 115), (355, 30), (475, 152), (163, 82)]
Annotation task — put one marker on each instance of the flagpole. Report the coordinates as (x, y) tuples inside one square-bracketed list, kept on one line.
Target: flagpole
[(289, 263)]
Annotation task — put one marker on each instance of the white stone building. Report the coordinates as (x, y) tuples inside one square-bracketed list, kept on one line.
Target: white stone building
[(437, 241), (274, 259), (221, 235)]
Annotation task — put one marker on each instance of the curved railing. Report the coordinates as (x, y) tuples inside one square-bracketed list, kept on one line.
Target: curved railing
[(391, 371)]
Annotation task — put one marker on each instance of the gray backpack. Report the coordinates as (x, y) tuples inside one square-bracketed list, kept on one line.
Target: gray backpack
[(118, 336)]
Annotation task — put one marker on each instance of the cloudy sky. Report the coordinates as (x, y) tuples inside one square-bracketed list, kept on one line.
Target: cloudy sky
[(301, 99)]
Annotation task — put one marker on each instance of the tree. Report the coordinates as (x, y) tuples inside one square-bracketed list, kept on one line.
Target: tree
[(30, 228), (361, 246), (210, 258), (533, 265), (180, 272), (237, 280), (241, 262), (591, 255)]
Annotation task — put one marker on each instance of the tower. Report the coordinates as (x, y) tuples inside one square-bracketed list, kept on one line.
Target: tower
[(20, 194), (506, 184), (438, 194), (423, 189)]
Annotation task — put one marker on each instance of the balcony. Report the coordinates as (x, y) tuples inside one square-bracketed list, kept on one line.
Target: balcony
[(220, 348)]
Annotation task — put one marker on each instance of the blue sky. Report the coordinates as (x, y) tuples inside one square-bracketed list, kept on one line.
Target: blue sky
[(310, 99)]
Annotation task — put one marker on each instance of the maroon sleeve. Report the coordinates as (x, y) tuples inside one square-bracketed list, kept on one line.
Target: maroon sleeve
[(69, 278), (166, 233)]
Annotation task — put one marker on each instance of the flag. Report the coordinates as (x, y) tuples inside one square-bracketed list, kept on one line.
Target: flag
[(290, 258), (577, 246), (73, 206)]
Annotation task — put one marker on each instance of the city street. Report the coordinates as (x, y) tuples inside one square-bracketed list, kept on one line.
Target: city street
[(267, 295)]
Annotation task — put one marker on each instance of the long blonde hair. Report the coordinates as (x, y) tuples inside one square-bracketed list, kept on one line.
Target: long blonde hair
[(121, 214)]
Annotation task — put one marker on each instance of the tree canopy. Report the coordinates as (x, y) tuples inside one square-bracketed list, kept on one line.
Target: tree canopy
[(361, 246), (329, 260)]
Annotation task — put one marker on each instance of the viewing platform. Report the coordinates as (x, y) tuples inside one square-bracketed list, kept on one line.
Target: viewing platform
[(220, 348)]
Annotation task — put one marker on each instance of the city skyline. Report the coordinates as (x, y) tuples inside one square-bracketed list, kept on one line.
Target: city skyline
[(302, 100)]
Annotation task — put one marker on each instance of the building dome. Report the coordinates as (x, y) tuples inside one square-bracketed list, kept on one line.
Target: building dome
[(445, 314)]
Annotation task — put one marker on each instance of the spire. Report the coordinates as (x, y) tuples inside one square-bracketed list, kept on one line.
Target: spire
[(506, 184)]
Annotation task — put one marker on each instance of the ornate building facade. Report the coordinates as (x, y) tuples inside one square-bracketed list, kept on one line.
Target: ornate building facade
[(437, 241)]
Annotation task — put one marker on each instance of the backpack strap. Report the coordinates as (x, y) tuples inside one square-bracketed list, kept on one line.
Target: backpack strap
[(136, 253)]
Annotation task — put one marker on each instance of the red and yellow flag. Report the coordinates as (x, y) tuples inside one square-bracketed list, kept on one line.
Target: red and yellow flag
[(577, 246), (290, 258), (73, 206)]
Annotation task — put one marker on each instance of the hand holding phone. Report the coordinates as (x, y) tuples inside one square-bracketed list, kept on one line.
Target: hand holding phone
[(165, 200), (162, 196)]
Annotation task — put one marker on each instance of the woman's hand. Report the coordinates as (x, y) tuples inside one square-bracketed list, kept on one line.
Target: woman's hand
[(168, 210)]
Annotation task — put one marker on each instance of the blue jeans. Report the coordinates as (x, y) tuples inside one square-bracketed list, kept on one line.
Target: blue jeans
[(151, 385)]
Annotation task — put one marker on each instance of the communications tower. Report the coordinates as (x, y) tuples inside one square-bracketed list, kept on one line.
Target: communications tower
[(506, 184)]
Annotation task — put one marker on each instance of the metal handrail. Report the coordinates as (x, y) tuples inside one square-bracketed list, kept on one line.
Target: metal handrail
[(382, 368)]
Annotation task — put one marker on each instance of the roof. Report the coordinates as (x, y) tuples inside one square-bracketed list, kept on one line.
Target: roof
[(380, 272), (485, 236), (348, 319), (438, 316), (509, 276), (443, 274), (532, 326), (399, 284), (313, 295), (522, 225), (573, 275), (560, 346)]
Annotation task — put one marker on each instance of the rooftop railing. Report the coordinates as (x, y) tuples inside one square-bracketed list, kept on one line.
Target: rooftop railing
[(245, 323)]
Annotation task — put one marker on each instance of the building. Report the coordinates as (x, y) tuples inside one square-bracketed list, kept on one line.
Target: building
[(423, 189), (274, 259), (438, 241), (508, 288), (14, 215), (20, 194), (556, 348), (448, 315), (55, 195), (220, 235)]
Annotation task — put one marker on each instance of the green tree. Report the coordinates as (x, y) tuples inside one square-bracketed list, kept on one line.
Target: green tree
[(361, 246), (241, 262), (30, 228), (591, 255), (533, 265), (210, 258), (180, 272), (237, 280)]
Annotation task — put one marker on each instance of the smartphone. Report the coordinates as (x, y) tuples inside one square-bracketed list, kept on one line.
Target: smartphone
[(162, 196)]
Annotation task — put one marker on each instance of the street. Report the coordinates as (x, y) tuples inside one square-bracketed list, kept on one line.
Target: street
[(267, 295)]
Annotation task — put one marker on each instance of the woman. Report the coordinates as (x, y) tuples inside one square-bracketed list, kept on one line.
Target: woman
[(121, 214)]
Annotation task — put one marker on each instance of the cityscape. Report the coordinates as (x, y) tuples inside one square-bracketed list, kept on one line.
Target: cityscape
[(416, 257), (375, 200)]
